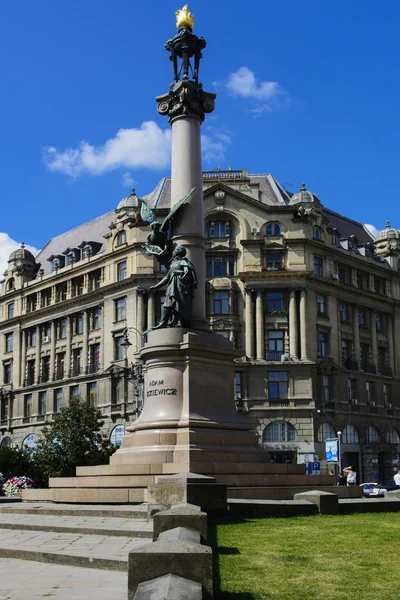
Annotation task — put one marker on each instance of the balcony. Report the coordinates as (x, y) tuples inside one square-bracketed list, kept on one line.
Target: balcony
[(369, 368), (274, 356), (350, 364), (75, 371), (29, 381), (59, 374), (387, 371), (4, 423), (94, 368), (279, 403), (44, 378)]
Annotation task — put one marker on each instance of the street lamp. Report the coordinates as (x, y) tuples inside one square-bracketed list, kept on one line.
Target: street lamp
[(339, 434), (126, 341), (135, 373)]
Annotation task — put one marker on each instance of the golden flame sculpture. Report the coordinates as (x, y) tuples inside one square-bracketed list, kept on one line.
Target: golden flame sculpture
[(184, 18)]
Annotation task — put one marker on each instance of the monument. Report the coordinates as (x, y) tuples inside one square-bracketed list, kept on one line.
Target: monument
[(189, 423)]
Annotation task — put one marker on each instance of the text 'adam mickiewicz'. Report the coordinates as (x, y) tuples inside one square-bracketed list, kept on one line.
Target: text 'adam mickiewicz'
[(162, 392)]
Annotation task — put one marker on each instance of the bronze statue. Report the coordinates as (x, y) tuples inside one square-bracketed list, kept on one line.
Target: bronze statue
[(181, 281), (158, 242)]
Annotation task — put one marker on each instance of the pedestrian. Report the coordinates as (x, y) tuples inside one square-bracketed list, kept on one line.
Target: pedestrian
[(351, 475), (397, 478), (341, 479)]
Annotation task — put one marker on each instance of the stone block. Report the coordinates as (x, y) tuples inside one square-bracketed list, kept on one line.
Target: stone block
[(169, 587), (177, 553), (180, 516), (327, 503)]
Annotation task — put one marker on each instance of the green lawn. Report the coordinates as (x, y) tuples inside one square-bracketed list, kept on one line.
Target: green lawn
[(352, 557)]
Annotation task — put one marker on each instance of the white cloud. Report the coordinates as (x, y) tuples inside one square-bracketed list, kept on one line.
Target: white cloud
[(7, 245), (127, 180), (267, 94), (372, 229), (148, 146)]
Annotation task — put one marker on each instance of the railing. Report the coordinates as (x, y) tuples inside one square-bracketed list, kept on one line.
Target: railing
[(279, 403), (29, 381), (75, 371), (4, 423), (388, 371), (94, 368), (350, 364), (59, 374), (40, 417), (274, 356), (226, 175), (44, 379), (369, 367)]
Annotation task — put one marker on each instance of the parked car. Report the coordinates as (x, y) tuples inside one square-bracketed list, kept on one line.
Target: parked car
[(386, 486), (372, 490)]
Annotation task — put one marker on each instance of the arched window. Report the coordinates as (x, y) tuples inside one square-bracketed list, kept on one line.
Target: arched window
[(317, 233), (30, 442), (121, 238), (117, 434), (11, 284), (220, 229), (5, 442), (350, 435), (372, 435), (279, 431), (326, 432), (273, 228), (392, 436)]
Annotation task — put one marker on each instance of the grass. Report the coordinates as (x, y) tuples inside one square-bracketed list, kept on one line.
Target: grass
[(352, 557)]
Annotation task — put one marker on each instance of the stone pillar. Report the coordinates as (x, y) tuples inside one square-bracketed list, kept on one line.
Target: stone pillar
[(23, 356), (37, 356), (260, 325), (354, 276), (85, 348), (374, 343), (303, 324), (249, 325), (371, 282), (390, 342), (68, 347), (356, 335), (293, 333), (140, 310), (52, 351), (150, 310)]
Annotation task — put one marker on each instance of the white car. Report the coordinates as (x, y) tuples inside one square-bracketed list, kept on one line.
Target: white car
[(372, 490)]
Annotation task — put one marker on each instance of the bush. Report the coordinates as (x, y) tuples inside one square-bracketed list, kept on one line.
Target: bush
[(73, 439), (17, 463), (16, 484)]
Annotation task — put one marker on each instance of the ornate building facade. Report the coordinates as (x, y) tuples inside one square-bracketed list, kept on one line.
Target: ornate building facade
[(308, 297)]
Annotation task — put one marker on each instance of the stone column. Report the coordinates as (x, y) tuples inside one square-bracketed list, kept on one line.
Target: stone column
[(356, 335), (374, 343), (249, 325), (140, 310), (293, 333), (354, 276), (23, 356), (390, 341), (260, 325), (68, 347), (52, 350), (371, 282), (150, 310), (303, 324), (85, 347), (37, 355)]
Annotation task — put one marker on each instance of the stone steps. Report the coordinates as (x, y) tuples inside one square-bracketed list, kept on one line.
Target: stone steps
[(44, 508), (86, 495), (288, 492)]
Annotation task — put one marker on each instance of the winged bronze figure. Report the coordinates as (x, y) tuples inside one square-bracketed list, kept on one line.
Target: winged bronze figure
[(158, 242)]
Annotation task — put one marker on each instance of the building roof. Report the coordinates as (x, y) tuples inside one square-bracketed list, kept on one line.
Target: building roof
[(347, 227)]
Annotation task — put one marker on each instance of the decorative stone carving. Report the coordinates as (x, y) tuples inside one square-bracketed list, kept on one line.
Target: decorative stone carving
[(186, 99), (219, 197)]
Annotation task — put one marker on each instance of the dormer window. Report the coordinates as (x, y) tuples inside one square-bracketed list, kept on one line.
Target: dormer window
[(272, 229), (317, 233), (219, 229), (11, 284), (121, 238), (335, 240)]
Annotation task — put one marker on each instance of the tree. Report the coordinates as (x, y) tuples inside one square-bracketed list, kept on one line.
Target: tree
[(73, 439)]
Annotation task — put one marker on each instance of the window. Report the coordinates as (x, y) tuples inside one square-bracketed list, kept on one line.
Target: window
[(238, 385), (9, 342), (7, 372), (273, 262), (276, 341), (119, 391), (96, 318), (77, 286), (325, 388), (61, 292), (121, 238), (28, 405), (382, 358), (94, 280), (360, 279), (92, 393), (223, 333), (317, 235), (379, 322), (31, 302), (120, 309), (342, 275), (369, 391), (10, 310), (351, 389), (345, 351), (275, 301), (326, 432), (350, 435), (46, 333), (362, 319), (318, 266), (79, 319), (11, 284), (219, 229), (31, 337), (322, 344), (277, 385), (273, 229), (221, 303), (77, 354), (119, 350), (321, 304), (73, 391), (62, 329), (279, 431), (122, 271), (335, 240), (94, 354), (45, 298), (60, 363), (220, 265), (392, 436), (30, 372), (343, 311), (45, 368), (364, 356), (387, 394), (42, 403), (372, 435), (58, 396)]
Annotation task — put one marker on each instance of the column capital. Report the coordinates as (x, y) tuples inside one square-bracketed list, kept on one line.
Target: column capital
[(186, 99)]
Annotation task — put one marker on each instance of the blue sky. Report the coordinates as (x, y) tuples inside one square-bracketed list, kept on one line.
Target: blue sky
[(307, 91)]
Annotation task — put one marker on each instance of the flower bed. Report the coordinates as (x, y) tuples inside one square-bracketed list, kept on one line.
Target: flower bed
[(15, 485)]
